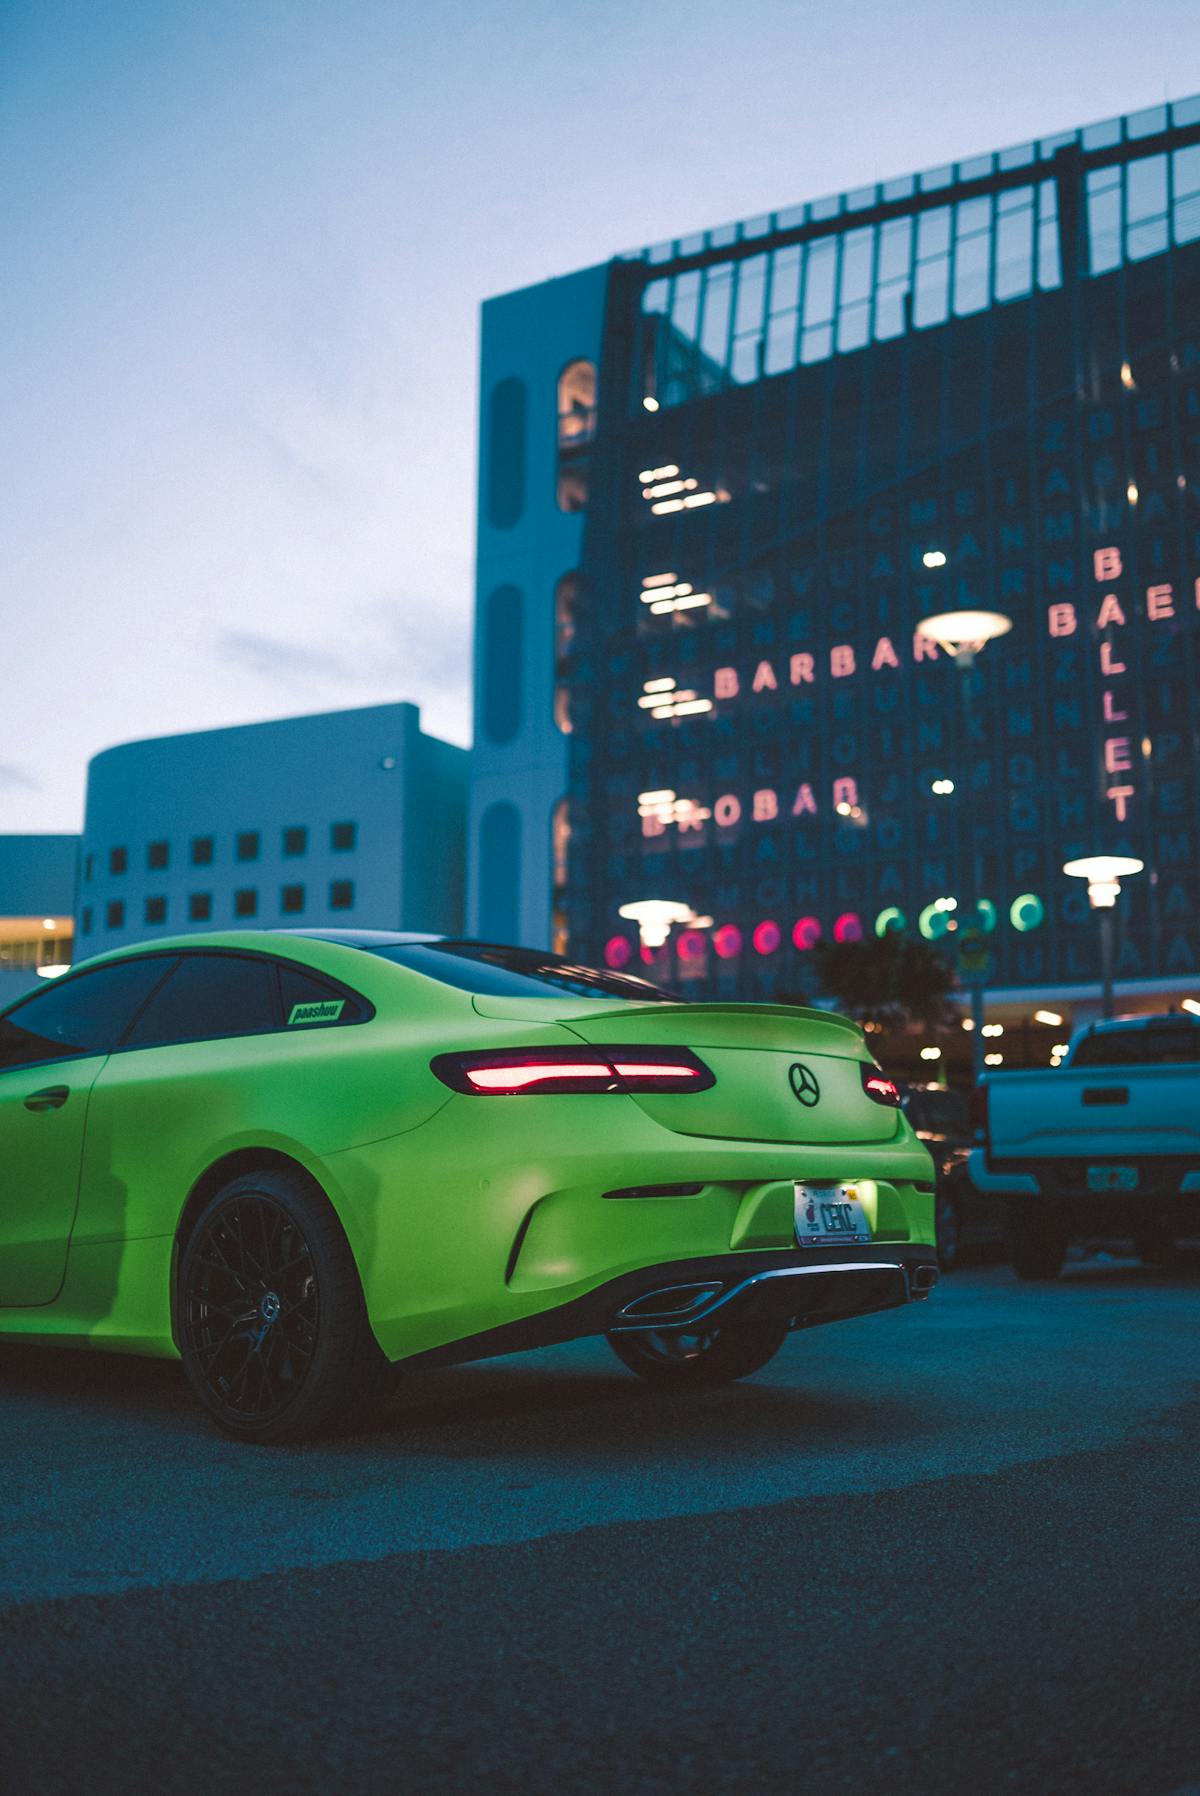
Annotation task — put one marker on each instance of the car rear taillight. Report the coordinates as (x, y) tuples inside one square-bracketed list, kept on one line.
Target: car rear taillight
[(979, 1113), (517, 1072), (878, 1086)]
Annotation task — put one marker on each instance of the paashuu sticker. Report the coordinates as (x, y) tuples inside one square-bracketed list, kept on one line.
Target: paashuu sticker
[(327, 1011)]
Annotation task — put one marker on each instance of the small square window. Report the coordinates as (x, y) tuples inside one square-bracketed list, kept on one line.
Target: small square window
[(291, 900), (86, 921), (156, 910), (342, 836), (202, 851), (118, 860), (158, 855), (89, 865), (295, 840), (341, 894), (200, 907), (245, 902), (248, 844), (114, 915)]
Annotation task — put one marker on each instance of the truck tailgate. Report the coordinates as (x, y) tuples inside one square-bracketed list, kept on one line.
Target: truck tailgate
[(1101, 1111)]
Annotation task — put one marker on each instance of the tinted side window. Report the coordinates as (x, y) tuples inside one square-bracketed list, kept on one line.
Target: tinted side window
[(309, 1003), (1173, 1044), (84, 1015), (209, 996)]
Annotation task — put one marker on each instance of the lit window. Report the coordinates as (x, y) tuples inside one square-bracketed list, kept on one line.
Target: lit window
[(576, 429)]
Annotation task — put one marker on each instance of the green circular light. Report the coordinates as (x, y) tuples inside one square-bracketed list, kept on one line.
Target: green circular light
[(985, 915), (889, 920), (933, 921), (1027, 911)]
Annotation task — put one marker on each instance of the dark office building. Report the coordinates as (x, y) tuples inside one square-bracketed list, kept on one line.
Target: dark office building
[(722, 482)]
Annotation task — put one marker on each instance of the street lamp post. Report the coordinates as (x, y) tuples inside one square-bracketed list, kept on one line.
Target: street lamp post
[(964, 635), (1104, 873)]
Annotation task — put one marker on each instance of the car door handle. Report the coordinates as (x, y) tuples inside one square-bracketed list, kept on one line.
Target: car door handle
[(52, 1097)]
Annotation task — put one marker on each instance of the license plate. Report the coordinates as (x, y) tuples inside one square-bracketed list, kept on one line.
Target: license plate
[(1112, 1178), (830, 1215)]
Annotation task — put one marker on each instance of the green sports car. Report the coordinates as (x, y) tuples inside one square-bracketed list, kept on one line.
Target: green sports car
[(297, 1159)]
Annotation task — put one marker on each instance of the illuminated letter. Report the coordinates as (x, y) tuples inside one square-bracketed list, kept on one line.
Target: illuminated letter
[(1108, 666), (653, 825), (1160, 602), (1119, 795), (841, 661), (1111, 714), (1062, 620), (764, 678), (885, 655), (727, 811), (845, 792), (766, 805), (924, 649), (1116, 754), (1198, 592), (802, 670), (806, 804), (725, 683), (1107, 564), (1110, 612)]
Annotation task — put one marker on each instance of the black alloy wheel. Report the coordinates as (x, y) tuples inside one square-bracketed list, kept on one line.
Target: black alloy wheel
[(698, 1359), (272, 1326)]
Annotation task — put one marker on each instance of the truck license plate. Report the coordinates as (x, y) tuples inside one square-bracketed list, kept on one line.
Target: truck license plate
[(1112, 1178), (830, 1215)]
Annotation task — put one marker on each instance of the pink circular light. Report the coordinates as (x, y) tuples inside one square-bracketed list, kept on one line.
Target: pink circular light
[(807, 932), (727, 940), (767, 936), (691, 945), (848, 927), (617, 952)]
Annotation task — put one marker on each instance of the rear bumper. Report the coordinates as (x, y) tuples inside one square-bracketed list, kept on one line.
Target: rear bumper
[(804, 1288)]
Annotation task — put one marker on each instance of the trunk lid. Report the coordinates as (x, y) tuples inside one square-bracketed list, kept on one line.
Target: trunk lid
[(782, 1073)]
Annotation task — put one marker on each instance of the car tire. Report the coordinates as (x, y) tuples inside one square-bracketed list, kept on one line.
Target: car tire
[(272, 1326), (1037, 1244), (701, 1359), (946, 1234)]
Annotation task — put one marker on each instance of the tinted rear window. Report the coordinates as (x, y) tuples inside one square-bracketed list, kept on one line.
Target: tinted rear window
[(494, 972), (938, 1112), (1168, 1045), (209, 996)]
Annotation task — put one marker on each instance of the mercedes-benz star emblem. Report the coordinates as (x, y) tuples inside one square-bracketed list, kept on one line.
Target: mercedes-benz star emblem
[(804, 1084)]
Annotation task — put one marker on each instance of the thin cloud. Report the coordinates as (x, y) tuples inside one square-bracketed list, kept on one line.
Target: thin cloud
[(17, 779), (289, 664)]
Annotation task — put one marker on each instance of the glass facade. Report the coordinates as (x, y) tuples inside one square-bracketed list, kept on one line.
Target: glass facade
[(974, 388)]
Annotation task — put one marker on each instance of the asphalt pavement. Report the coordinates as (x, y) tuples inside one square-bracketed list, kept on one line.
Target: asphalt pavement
[(948, 1548)]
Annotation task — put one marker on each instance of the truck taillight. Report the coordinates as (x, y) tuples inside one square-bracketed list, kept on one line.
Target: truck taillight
[(525, 1072), (979, 1113), (878, 1086)]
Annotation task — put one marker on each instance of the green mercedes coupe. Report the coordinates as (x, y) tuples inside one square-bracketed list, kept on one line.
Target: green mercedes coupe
[(297, 1160)]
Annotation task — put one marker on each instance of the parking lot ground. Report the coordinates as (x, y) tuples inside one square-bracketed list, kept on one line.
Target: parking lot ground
[(951, 1547)]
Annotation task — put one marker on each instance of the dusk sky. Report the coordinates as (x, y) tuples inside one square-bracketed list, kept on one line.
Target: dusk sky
[(244, 247)]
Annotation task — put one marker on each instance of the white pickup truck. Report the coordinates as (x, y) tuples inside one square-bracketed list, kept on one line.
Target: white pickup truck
[(1106, 1145)]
